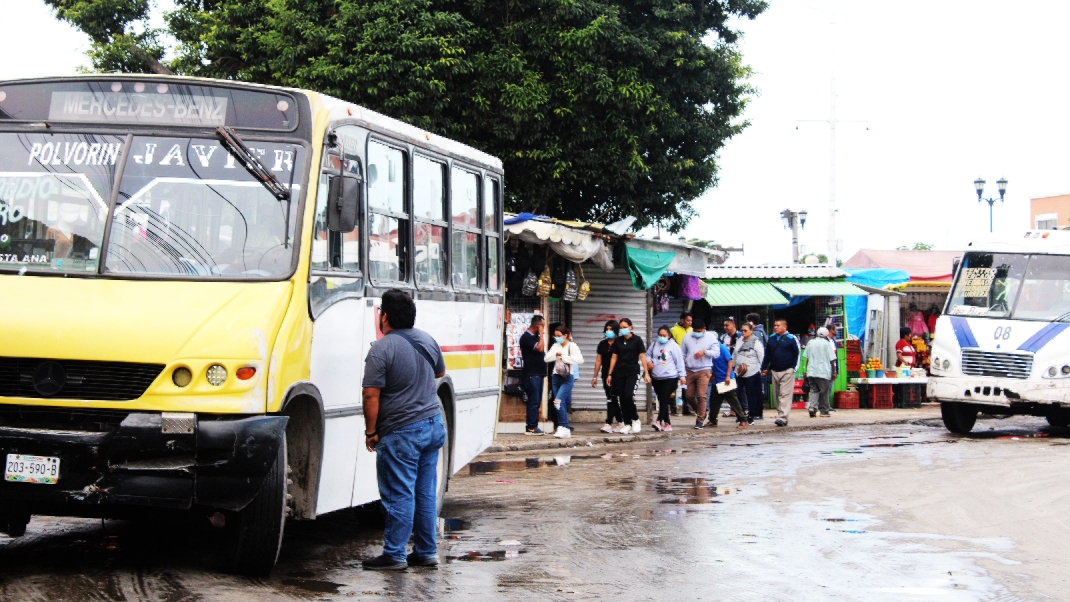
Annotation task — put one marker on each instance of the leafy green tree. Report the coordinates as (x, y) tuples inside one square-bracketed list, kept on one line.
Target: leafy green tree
[(120, 39), (599, 109), (918, 246)]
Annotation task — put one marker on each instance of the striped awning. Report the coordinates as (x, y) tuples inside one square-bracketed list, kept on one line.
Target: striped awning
[(742, 292), (817, 288)]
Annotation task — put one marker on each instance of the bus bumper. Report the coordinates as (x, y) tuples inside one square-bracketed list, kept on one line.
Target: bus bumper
[(145, 459), (998, 392)]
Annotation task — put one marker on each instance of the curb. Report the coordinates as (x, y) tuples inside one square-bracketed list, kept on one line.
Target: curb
[(656, 436)]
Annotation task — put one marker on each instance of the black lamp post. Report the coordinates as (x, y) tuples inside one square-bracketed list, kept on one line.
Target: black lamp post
[(979, 185)]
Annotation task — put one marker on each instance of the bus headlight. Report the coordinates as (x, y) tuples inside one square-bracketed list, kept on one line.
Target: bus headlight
[(946, 365), (1066, 370), (1057, 371), (216, 375)]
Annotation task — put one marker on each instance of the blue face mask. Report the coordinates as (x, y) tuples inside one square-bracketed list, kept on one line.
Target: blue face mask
[(624, 332), (663, 340), (610, 334), (560, 340), (698, 335)]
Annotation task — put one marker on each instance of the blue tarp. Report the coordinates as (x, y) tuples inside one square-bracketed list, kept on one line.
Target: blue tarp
[(856, 306), (524, 216)]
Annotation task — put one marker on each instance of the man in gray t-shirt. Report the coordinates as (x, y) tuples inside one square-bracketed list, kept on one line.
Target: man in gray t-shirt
[(403, 426)]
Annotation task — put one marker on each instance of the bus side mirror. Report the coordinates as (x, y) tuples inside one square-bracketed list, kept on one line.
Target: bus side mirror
[(955, 267), (343, 202)]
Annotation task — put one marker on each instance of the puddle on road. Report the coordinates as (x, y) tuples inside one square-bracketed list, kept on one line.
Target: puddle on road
[(492, 556), (452, 525), (313, 585), (689, 490)]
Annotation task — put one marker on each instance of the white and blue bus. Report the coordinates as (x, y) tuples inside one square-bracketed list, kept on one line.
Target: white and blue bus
[(1001, 346)]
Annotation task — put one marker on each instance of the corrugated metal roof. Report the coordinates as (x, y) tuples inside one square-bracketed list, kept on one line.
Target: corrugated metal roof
[(772, 272), (735, 292), (818, 288)]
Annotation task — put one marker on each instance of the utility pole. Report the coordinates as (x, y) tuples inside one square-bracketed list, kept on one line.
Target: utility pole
[(794, 221), (832, 121)]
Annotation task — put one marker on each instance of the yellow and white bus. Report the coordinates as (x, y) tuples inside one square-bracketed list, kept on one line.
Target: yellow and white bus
[(190, 271)]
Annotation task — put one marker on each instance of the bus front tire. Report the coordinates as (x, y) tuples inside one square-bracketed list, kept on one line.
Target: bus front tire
[(959, 418), (258, 529)]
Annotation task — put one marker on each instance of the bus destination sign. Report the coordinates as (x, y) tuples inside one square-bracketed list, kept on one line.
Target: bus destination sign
[(150, 109)]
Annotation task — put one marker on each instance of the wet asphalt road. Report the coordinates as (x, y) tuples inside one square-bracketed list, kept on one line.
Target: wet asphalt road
[(903, 512)]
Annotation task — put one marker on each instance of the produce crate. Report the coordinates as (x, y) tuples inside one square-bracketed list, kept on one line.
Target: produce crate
[(909, 396), (879, 397), (846, 400), (854, 346), (854, 361)]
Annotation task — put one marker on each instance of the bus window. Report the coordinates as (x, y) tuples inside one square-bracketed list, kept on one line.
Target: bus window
[(464, 195), (429, 209), (987, 285), (387, 220), (336, 250), (491, 199)]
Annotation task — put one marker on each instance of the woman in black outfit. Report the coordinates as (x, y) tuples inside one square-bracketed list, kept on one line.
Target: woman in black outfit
[(624, 370), (603, 357)]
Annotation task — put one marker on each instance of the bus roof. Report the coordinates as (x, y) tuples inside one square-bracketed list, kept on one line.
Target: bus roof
[(1053, 242), (340, 110)]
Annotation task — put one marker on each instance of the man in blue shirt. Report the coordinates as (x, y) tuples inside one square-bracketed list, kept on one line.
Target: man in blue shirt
[(532, 352), (781, 361), (724, 374)]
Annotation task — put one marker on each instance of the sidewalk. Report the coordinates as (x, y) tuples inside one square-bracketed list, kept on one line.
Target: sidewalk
[(588, 435)]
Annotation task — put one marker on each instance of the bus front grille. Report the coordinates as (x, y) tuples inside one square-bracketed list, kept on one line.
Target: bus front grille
[(75, 379), (992, 363)]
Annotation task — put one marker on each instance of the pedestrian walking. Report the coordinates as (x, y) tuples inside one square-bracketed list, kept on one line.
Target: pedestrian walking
[(603, 358), (681, 328), (820, 362), (625, 367), (404, 428), (665, 363), (748, 357), (755, 321), (565, 357), (731, 333), (699, 352), (723, 387), (781, 361), (532, 350)]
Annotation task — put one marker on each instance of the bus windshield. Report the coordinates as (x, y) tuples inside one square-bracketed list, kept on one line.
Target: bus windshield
[(1012, 285), (186, 206)]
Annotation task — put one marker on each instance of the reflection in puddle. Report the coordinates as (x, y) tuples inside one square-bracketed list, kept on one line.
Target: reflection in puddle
[(492, 556), (450, 525), (689, 490), (311, 585), (478, 468)]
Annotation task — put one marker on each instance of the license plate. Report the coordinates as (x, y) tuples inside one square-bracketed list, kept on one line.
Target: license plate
[(21, 468)]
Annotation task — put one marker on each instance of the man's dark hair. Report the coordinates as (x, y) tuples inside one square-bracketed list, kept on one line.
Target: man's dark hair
[(685, 315), (781, 320), (399, 308), (730, 319), (536, 320), (698, 324), (904, 332), (754, 318)]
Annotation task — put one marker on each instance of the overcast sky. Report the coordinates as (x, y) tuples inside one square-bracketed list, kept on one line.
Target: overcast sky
[(949, 90)]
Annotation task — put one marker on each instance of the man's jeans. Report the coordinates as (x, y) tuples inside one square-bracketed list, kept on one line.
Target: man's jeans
[(562, 386), (532, 386), (407, 462)]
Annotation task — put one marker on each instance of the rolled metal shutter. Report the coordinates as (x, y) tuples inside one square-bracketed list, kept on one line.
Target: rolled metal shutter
[(612, 298)]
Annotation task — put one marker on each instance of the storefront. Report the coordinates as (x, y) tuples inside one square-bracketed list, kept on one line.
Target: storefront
[(582, 275)]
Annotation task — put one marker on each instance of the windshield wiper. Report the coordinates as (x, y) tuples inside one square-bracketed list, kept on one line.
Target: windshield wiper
[(235, 146)]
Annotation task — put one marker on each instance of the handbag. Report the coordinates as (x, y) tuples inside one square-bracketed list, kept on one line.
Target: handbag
[(571, 287), (543, 287), (530, 285), (806, 387), (561, 368)]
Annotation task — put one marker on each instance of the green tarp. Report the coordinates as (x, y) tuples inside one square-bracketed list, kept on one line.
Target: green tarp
[(817, 288), (742, 292), (646, 267)]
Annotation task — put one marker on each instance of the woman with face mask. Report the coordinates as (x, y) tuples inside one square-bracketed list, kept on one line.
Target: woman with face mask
[(603, 357), (625, 368), (564, 355), (665, 363)]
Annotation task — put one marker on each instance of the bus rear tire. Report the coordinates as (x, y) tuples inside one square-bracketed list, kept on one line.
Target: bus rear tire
[(443, 468), (258, 529), (959, 418)]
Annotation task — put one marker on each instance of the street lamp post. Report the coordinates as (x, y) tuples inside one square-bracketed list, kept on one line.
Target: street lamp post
[(794, 221), (979, 186)]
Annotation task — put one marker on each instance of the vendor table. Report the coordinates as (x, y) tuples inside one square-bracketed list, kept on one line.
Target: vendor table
[(906, 392)]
